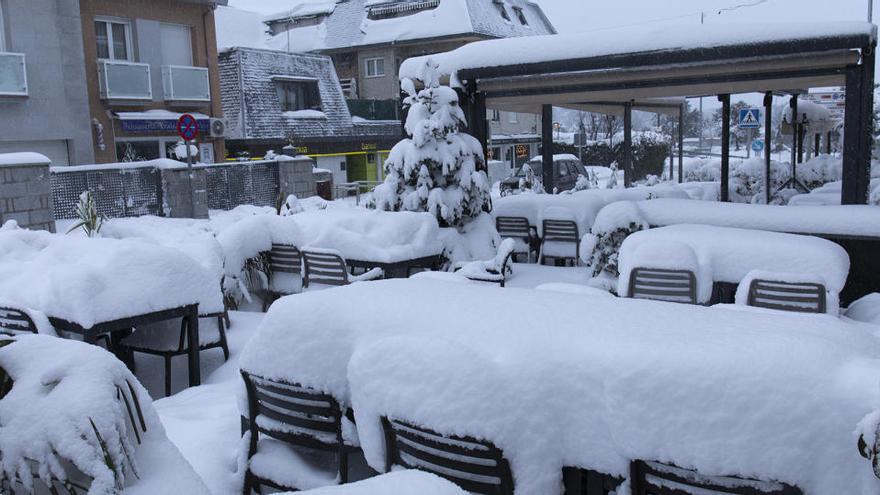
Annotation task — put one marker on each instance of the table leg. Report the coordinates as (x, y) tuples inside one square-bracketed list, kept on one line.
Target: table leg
[(192, 336)]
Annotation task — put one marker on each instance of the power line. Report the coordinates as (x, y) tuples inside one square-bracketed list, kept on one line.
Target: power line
[(700, 13)]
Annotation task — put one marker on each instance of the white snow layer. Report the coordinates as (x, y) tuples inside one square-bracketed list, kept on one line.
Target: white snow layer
[(865, 309), (63, 391), (91, 280), (537, 49), (23, 158), (728, 255), (406, 481), (757, 394)]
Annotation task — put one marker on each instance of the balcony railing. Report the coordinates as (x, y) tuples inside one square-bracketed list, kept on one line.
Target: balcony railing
[(186, 83), (13, 75), (121, 80)]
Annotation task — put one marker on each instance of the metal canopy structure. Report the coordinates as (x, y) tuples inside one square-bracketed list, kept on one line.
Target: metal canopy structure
[(626, 81)]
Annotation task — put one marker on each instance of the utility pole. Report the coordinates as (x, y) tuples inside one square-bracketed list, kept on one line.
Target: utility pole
[(870, 10)]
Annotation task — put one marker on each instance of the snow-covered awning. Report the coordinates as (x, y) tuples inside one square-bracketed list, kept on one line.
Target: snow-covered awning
[(159, 120)]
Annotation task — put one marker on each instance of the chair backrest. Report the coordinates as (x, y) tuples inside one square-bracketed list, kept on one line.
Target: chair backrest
[(15, 321), (580, 481), (324, 268), (654, 478), (476, 466), (285, 258), (303, 415), (804, 297), (663, 285), (516, 227), (560, 231)]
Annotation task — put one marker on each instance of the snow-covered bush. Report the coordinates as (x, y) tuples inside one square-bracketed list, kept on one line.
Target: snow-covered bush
[(291, 206), (583, 183), (89, 220), (436, 169), (72, 416), (612, 179), (530, 182), (270, 155), (600, 248)]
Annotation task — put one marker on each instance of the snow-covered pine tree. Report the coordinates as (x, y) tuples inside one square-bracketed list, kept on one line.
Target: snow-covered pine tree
[(437, 169)]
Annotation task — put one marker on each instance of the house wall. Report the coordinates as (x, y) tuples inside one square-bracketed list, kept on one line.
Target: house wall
[(378, 88), (145, 17), (56, 109), (515, 123)]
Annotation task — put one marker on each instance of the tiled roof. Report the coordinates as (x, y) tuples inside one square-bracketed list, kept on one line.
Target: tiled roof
[(251, 104)]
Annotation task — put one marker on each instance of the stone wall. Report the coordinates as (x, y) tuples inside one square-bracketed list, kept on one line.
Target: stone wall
[(25, 193)]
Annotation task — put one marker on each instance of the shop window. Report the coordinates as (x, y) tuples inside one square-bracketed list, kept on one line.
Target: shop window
[(136, 151)]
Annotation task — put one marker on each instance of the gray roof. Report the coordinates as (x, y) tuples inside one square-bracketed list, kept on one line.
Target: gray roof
[(251, 105), (349, 24)]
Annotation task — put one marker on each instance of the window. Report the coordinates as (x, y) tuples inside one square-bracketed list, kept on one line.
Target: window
[(135, 151), (298, 95), (495, 153), (493, 115), (513, 117), (375, 67), (521, 16), (176, 43), (502, 10), (113, 39)]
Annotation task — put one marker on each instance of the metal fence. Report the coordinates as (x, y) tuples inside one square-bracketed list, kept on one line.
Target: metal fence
[(252, 183), (118, 192)]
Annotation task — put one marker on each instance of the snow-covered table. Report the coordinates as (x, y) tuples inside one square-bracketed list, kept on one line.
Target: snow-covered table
[(99, 286), (568, 379), (583, 207)]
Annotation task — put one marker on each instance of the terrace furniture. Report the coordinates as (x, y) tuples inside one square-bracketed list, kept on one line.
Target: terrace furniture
[(556, 234), (580, 481), (458, 459), (285, 264), (663, 285), (518, 228), (15, 321), (654, 478), (802, 297), (495, 270), (328, 267), (296, 427), (168, 348)]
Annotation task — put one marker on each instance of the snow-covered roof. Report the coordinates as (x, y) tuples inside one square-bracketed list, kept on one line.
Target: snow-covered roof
[(251, 105), (239, 27), (23, 158), (304, 9), (351, 24), (630, 40)]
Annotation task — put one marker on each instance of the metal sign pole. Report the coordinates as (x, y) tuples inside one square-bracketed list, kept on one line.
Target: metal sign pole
[(189, 168)]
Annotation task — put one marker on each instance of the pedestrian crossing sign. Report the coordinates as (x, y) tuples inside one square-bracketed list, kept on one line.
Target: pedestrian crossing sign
[(750, 118)]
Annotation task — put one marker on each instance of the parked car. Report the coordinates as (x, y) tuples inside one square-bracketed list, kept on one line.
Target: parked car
[(566, 169)]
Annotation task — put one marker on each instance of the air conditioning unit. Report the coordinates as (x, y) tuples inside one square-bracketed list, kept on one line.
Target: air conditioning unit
[(218, 128)]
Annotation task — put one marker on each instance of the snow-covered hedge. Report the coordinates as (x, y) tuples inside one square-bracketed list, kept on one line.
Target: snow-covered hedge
[(614, 223), (75, 418)]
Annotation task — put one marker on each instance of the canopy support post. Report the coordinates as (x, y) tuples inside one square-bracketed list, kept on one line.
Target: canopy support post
[(793, 103), (627, 144), (768, 125), (858, 124), (547, 147), (681, 111), (725, 147)]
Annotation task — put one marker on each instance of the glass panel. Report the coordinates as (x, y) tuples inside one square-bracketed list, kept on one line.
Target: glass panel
[(2, 32), (120, 44), (12, 74), (176, 43), (101, 39), (189, 84), (135, 151), (380, 67), (127, 81)]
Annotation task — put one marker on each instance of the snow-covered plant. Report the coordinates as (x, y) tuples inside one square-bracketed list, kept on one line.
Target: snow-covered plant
[(869, 440), (89, 220), (601, 247), (594, 180), (583, 183), (180, 150), (612, 179), (255, 275), (437, 168), (270, 155), (290, 206)]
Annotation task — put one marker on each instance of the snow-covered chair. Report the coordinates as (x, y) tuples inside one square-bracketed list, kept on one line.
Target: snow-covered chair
[(404, 481), (518, 229), (560, 238), (664, 271), (16, 319), (663, 284), (328, 267), (477, 466), (285, 264), (495, 270), (580, 481), (296, 437), (786, 291), (160, 339), (654, 478)]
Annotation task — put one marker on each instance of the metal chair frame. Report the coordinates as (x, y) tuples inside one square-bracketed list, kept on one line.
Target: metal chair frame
[(766, 294), (283, 258), (517, 228), (665, 283), (561, 231), (641, 473), (15, 321)]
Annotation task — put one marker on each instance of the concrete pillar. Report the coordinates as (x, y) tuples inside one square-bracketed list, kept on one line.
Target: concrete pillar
[(25, 191), (296, 176), (180, 189)]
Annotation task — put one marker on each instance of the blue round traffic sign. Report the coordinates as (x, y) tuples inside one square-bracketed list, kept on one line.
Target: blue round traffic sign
[(187, 127), (758, 145)]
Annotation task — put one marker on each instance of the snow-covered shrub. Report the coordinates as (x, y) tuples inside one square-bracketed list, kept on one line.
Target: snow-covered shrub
[(612, 179), (869, 439), (583, 183), (89, 220), (529, 182), (600, 248), (291, 206), (270, 155), (72, 417), (436, 169)]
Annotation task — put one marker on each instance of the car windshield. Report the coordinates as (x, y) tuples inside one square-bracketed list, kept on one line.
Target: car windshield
[(535, 166)]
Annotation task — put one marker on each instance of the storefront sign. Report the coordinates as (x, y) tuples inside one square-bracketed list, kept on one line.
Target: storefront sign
[(156, 125), (522, 151), (368, 146)]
